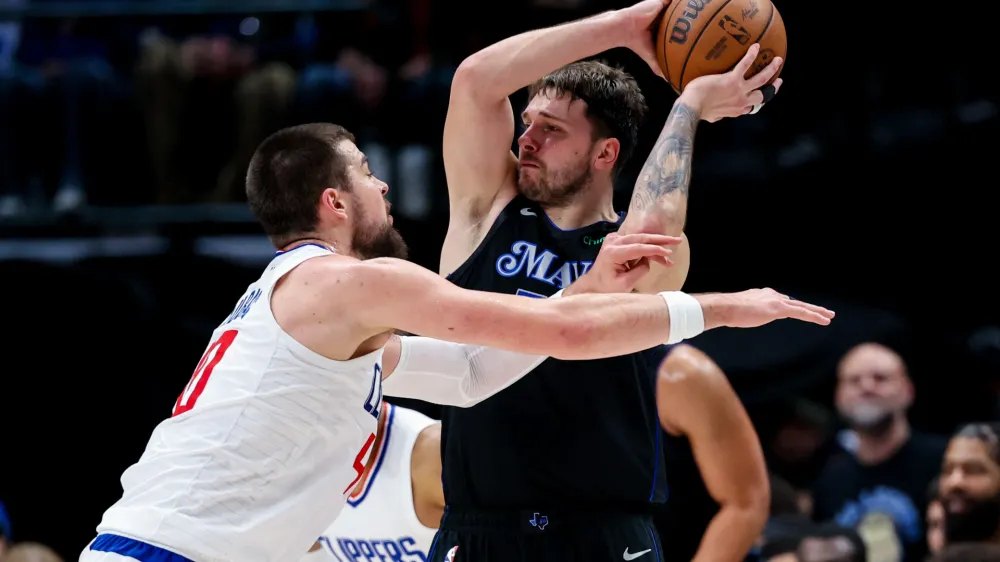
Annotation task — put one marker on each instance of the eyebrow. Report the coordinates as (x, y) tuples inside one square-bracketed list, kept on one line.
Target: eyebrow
[(364, 160), (545, 114)]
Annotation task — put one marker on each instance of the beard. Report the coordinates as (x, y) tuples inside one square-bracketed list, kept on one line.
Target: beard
[(553, 188), (979, 523), (378, 241), (869, 418)]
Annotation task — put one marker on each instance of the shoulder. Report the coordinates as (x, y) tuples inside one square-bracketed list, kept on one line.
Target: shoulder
[(689, 388), (686, 366)]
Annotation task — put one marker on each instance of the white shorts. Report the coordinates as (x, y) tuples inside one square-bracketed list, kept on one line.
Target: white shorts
[(115, 548)]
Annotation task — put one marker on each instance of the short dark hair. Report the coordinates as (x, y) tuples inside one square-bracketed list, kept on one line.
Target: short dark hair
[(615, 104), (289, 171), (988, 433)]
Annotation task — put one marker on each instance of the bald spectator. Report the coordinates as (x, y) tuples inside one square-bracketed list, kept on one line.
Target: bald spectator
[(878, 485)]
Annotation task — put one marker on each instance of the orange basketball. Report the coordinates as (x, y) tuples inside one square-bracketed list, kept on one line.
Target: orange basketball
[(699, 37)]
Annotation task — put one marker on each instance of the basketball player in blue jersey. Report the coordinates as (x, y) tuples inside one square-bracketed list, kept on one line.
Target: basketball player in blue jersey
[(575, 470)]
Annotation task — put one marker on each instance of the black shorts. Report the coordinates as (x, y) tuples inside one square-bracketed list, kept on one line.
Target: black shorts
[(545, 536)]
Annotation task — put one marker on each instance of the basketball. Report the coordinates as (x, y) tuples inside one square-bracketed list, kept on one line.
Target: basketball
[(699, 37)]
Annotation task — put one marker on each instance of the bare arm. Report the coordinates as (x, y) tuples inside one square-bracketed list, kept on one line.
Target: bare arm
[(479, 127), (381, 295), (695, 399), (659, 199)]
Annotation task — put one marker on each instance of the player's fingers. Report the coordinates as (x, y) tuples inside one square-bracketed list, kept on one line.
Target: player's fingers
[(764, 76), (636, 251), (743, 66), (643, 238), (662, 260), (814, 308), (637, 271), (755, 97), (806, 315), (777, 84)]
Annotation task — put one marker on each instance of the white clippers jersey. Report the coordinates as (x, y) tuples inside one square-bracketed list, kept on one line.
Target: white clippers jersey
[(380, 522), (264, 444)]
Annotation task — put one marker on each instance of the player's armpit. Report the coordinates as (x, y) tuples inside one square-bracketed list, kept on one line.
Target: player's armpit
[(478, 161), (695, 399)]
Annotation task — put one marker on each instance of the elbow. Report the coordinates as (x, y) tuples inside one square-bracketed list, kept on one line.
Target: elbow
[(475, 80), (754, 508), (468, 77)]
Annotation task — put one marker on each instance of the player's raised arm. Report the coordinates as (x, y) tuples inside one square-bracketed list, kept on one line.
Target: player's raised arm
[(479, 127), (695, 400), (660, 196), (385, 294)]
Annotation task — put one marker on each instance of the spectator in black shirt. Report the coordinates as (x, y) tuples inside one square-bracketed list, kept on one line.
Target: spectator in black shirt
[(879, 486)]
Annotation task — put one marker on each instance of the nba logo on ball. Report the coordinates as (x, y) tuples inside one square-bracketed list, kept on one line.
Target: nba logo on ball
[(450, 557)]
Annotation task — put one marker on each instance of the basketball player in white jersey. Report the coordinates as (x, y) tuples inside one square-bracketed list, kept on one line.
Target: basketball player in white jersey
[(395, 509), (278, 420)]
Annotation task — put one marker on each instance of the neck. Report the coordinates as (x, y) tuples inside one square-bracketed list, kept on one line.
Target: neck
[(331, 242), (876, 448), (594, 204)]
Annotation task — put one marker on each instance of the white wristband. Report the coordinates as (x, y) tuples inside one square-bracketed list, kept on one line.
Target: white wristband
[(687, 319), (557, 294)]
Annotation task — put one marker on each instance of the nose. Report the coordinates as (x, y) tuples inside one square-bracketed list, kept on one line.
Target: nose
[(951, 480), (527, 142), (384, 189)]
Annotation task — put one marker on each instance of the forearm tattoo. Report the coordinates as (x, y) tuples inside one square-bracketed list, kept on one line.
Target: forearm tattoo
[(666, 174)]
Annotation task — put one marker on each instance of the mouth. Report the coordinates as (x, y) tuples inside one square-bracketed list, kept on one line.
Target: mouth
[(955, 505), (529, 164)]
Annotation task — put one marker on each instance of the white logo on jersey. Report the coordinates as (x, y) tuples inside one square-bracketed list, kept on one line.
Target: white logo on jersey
[(528, 212), (632, 556)]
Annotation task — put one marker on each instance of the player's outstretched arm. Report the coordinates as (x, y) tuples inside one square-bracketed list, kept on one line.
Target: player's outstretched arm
[(388, 294), (660, 196), (694, 399)]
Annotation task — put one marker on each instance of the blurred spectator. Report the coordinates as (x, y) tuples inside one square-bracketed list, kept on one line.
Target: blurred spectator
[(802, 442), (879, 486), (970, 485), (935, 519), (832, 543), (6, 538), (969, 552), (787, 524), (392, 94), (55, 92), (31, 552), (210, 97)]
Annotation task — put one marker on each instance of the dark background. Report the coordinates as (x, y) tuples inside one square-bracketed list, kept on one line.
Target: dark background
[(867, 186)]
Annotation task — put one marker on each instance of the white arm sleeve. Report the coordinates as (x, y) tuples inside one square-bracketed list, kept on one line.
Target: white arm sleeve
[(454, 374)]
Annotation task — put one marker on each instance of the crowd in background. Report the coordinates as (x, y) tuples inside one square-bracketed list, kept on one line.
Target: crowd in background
[(167, 109)]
